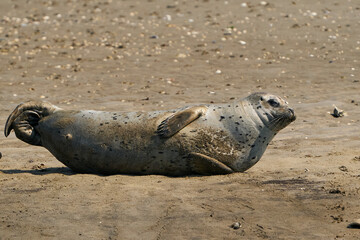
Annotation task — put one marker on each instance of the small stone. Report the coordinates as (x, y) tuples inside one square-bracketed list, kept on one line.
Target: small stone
[(218, 71), (355, 224), (181, 55), (338, 112), (343, 168), (40, 167), (336, 191), (167, 17), (236, 225)]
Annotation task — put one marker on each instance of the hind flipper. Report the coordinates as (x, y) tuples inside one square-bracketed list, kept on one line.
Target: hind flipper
[(25, 118), (206, 165), (179, 120)]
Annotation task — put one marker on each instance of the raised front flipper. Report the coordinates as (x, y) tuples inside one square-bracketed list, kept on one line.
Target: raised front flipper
[(179, 120), (206, 165), (25, 118)]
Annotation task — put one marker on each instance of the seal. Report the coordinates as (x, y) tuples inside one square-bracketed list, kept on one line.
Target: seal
[(200, 139)]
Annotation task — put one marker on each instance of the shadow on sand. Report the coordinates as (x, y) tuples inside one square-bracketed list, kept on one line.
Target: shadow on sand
[(45, 171), (67, 171)]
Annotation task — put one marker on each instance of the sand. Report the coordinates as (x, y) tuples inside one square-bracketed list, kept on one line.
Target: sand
[(159, 54)]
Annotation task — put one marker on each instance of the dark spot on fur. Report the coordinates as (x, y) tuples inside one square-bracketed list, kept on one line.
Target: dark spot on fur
[(221, 118), (237, 123), (101, 124)]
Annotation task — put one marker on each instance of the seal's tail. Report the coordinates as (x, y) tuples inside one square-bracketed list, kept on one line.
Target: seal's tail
[(25, 118)]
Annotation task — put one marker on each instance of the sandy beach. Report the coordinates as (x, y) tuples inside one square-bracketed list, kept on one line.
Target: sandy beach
[(160, 54)]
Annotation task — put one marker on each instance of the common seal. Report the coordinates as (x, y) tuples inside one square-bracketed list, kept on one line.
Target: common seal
[(202, 139)]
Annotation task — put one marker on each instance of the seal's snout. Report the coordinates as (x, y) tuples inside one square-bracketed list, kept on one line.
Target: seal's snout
[(292, 114)]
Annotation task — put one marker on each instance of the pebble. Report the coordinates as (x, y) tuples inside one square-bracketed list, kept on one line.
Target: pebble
[(338, 112), (343, 168), (218, 71), (355, 224), (40, 167), (167, 18), (181, 55), (236, 225)]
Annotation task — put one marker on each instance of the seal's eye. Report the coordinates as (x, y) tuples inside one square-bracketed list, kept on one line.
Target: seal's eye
[(273, 103)]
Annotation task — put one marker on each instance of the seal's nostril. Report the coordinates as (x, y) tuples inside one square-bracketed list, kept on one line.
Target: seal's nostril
[(293, 117)]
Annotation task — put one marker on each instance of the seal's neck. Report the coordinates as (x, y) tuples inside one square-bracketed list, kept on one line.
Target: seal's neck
[(251, 113)]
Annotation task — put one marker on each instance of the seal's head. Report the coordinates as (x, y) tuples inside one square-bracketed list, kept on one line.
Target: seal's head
[(273, 111)]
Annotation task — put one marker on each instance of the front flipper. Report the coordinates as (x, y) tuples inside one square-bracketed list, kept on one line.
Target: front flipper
[(206, 165), (179, 120)]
